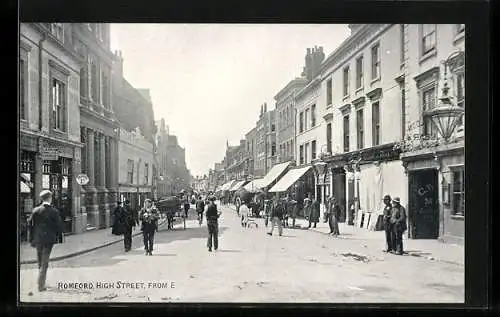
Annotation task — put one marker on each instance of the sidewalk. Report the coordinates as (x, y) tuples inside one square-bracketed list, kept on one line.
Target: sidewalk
[(76, 244), (374, 241)]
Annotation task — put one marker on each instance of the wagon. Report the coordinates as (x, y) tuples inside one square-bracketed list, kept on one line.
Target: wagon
[(171, 207)]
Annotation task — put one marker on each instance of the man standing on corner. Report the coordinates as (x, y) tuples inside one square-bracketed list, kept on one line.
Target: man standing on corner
[(387, 223), (212, 215), (46, 227), (277, 213), (398, 221)]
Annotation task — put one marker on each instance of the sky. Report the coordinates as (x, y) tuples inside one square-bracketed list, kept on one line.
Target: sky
[(208, 81)]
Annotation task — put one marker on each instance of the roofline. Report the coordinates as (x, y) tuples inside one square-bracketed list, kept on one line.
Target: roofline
[(294, 82)]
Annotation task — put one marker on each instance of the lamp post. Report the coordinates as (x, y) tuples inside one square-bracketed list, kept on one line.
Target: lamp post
[(446, 116)]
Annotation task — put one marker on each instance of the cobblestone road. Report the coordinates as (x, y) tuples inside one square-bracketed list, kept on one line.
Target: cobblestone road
[(250, 266)]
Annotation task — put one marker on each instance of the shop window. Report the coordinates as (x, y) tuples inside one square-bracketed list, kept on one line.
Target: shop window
[(458, 191)]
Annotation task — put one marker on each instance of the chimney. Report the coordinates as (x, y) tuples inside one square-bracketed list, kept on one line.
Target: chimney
[(309, 61), (265, 107)]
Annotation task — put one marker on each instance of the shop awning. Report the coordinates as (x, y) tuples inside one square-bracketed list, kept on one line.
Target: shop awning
[(274, 173), (227, 185), (253, 185), (290, 177), (237, 186)]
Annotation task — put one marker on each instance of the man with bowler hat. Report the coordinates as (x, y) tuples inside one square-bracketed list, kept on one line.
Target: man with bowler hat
[(387, 223), (398, 221), (129, 221), (46, 227)]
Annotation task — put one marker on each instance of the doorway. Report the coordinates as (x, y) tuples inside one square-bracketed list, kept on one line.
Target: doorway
[(423, 206)]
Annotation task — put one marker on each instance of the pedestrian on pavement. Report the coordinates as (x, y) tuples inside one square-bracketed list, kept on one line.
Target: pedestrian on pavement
[(245, 212), (267, 211), (277, 214), (200, 207), (286, 210), (127, 220), (149, 218), (212, 215), (117, 221), (314, 215), (186, 206), (46, 226), (238, 205), (293, 207), (387, 224), (307, 207), (333, 211), (398, 221)]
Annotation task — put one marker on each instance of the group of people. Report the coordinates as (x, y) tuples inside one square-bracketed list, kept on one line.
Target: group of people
[(394, 217), (126, 219)]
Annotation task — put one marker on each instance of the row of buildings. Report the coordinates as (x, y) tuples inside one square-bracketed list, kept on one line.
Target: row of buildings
[(382, 114), (86, 133)]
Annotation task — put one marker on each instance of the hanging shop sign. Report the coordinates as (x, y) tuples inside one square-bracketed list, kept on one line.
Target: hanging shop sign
[(82, 179)]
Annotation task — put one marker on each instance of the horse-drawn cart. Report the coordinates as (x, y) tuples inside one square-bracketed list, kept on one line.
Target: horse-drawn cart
[(172, 208)]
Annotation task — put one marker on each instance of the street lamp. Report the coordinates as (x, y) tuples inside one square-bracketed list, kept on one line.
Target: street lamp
[(447, 114)]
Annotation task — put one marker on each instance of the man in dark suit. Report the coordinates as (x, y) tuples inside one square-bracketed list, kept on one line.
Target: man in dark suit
[(387, 223), (212, 215), (398, 221), (46, 227), (129, 221)]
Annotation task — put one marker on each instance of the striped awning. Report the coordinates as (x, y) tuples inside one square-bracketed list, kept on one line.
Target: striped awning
[(253, 185), (289, 179), (275, 172), (227, 185), (237, 186)]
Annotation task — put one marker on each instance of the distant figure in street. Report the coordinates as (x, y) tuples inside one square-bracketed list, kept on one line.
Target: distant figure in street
[(200, 207), (186, 206), (293, 211), (333, 211), (117, 223), (267, 211), (398, 221), (314, 215), (46, 226), (244, 212), (212, 215), (127, 220), (238, 205), (277, 214), (387, 224), (307, 207), (149, 218)]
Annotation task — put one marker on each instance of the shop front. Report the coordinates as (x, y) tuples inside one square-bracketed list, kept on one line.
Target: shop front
[(436, 192)]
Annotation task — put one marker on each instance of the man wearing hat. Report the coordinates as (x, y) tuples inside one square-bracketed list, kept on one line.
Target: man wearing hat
[(212, 215), (46, 227), (387, 223), (398, 221), (129, 221)]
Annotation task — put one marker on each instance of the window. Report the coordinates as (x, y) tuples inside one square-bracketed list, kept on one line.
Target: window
[(428, 38), (146, 173), (360, 130), (105, 90), (460, 93), (346, 81), (346, 133), (306, 120), (375, 123), (301, 154), (429, 102), (329, 138), (94, 80), (57, 30), (22, 89), (58, 105), (273, 149), (301, 122), (329, 92), (313, 149), (376, 61), (130, 171), (313, 115), (306, 153), (402, 43), (359, 72), (458, 192)]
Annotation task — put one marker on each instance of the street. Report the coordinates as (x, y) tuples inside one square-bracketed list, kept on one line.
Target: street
[(250, 266)]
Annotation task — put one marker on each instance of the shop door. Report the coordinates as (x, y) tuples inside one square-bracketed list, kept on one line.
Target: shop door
[(340, 194), (423, 204)]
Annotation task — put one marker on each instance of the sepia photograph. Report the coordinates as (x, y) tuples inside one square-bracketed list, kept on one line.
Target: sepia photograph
[(241, 163)]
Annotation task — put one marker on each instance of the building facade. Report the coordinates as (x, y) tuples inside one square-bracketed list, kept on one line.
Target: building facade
[(99, 126), (236, 161), (49, 113), (433, 58), (136, 160), (250, 141)]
